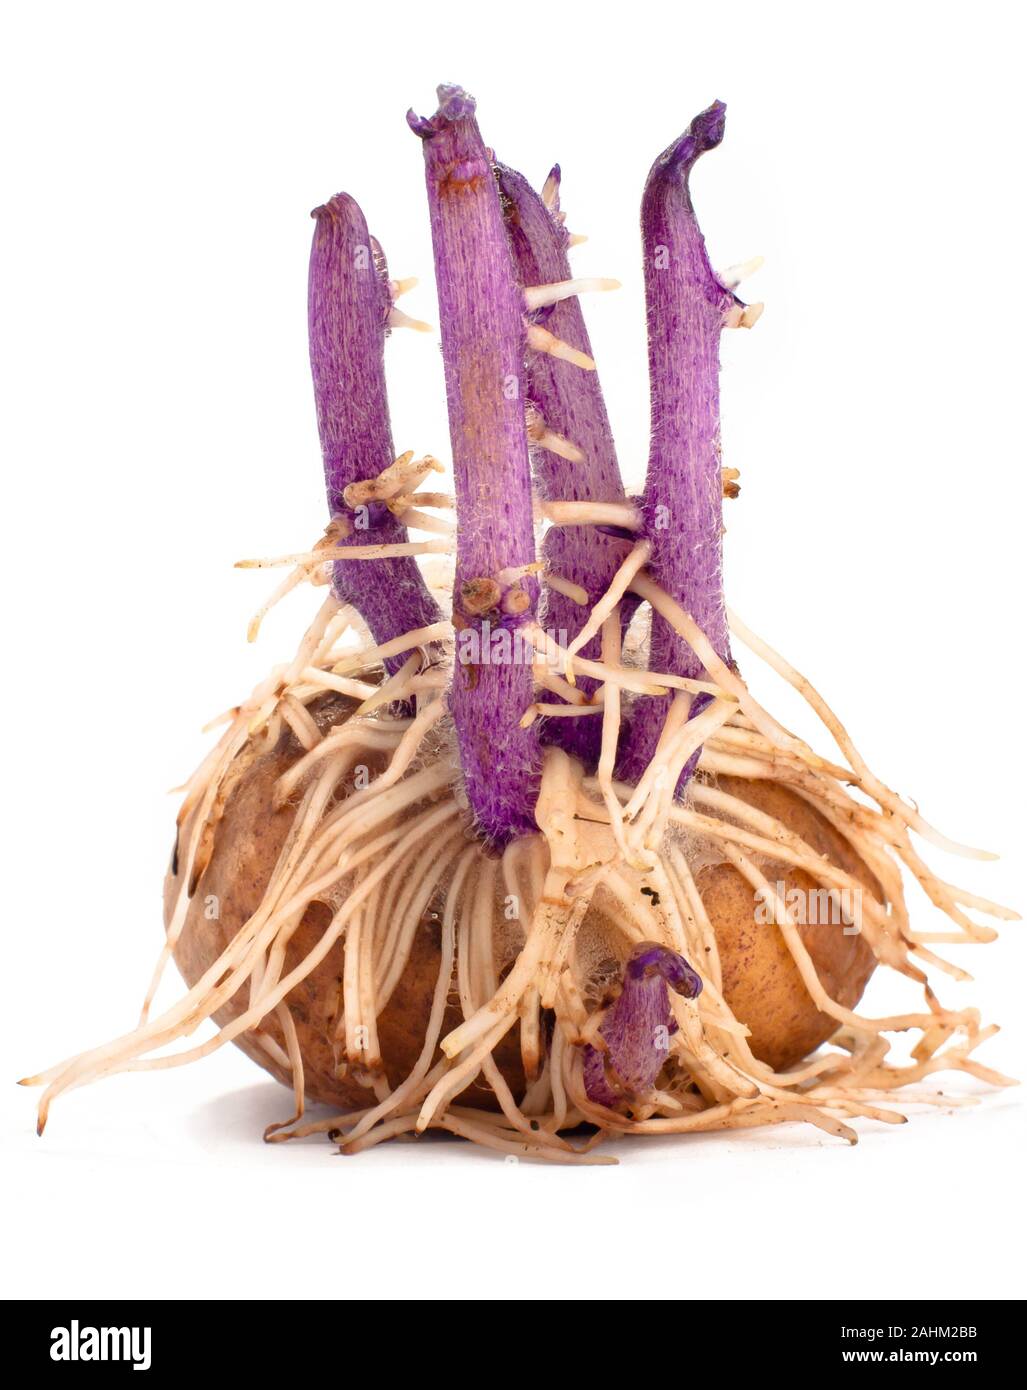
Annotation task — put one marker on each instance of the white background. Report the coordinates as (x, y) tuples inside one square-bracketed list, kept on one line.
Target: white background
[(159, 163)]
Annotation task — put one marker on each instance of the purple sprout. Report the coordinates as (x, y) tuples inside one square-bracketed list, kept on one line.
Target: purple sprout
[(687, 307), (566, 408), (348, 305), (638, 1026), (481, 317), (522, 391), (510, 407)]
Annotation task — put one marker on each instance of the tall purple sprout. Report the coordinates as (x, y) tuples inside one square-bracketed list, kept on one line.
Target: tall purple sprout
[(483, 348), (687, 306), (348, 309), (494, 238), (565, 400)]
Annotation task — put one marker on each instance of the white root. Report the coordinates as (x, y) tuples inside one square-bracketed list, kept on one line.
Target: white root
[(561, 585), (380, 854), (402, 476), (398, 319), (591, 514), (866, 780), (538, 296), (311, 558), (609, 601), (541, 340), (733, 276)]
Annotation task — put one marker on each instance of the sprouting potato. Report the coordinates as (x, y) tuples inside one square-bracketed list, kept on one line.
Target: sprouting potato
[(527, 861), (761, 982)]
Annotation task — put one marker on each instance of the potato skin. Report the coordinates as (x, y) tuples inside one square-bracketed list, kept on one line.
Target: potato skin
[(247, 843), (761, 983)]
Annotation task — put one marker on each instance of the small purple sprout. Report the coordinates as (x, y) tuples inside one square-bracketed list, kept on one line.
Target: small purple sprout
[(638, 1026)]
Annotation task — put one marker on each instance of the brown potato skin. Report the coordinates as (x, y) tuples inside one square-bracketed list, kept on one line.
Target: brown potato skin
[(761, 983), (247, 843)]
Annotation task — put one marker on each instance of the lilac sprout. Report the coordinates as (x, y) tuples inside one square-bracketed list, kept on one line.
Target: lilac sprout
[(638, 1026), (687, 307), (353, 1004), (569, 431), (483, 348), (349, 309)]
